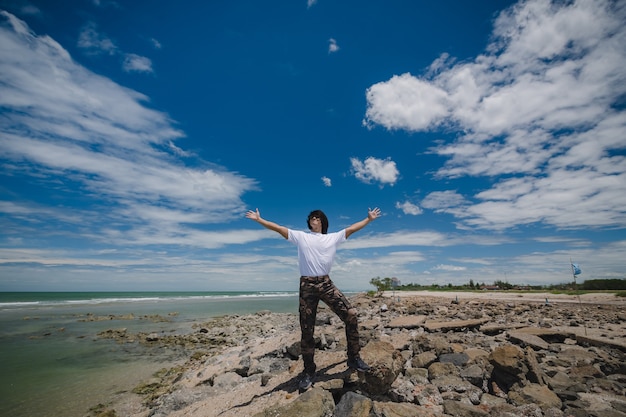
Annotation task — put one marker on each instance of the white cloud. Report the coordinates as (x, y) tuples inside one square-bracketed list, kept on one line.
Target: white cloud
[(136, 63), (454, 268), (443, 200), (310, 3), (479, 261), (332, 46), (540, 107), (327, 182), (421, 238), (105, 3), (94, 42), (405, 102), (371, 169), (29, 9), (565, 198), (409, 208)]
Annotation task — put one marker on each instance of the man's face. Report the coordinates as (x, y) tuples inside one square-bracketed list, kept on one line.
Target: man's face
[(316, 224)]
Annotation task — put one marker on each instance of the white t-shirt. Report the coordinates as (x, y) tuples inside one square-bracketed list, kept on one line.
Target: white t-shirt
[(316, 251)]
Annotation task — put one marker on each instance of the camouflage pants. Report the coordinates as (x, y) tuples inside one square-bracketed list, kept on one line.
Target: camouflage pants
[(312, 290)]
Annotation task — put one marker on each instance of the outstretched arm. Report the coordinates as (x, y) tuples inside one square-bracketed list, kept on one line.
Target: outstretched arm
[(371, 215), (256, 216)]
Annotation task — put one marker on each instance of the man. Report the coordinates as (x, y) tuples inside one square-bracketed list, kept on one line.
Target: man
[(316, 252)]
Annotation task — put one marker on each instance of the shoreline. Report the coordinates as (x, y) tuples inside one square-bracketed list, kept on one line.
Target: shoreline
[(609, 298), (57, 364)]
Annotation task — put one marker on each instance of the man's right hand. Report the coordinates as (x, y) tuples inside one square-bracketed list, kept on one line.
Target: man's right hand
[(253, 215)]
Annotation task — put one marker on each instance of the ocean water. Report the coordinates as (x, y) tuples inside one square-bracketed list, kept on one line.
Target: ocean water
[(53, 364)]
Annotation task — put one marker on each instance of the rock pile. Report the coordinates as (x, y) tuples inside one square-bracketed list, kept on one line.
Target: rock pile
[(428, 358)]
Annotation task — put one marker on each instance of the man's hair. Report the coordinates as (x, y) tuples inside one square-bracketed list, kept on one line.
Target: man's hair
[(322, 217)]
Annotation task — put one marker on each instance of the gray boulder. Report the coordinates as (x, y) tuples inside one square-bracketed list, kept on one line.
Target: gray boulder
[(386, 363), (315, 402)]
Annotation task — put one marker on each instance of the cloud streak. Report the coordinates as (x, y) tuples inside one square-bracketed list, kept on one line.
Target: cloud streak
[(63, 120)]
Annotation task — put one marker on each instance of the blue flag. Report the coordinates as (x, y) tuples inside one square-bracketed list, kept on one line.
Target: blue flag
[(576, 269)]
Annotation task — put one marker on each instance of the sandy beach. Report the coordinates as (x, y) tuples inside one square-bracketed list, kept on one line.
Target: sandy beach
[(588, 298)]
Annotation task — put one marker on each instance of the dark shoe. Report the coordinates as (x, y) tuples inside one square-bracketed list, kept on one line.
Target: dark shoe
[(306, 381), (357, 364)]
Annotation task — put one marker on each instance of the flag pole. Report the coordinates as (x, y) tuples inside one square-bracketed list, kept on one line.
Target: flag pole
[(576, 291)]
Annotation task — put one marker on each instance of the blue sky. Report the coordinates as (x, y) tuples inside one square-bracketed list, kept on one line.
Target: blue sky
[(135, 135)]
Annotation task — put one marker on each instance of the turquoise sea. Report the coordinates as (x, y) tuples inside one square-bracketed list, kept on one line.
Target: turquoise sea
[(53, 364)]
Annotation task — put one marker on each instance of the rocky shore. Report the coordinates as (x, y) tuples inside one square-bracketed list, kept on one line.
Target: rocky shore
[(465, 355)]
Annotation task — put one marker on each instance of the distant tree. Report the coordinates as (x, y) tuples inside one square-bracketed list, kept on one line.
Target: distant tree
[(604, 284), (471, 284), (381, 285), (503, 285)]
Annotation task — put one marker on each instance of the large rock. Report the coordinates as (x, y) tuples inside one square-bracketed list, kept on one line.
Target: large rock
[(439, 369), (526, 339), (432, 326), (407, 322), (227, 381), (535, 373), (417, 375), (402, 390), (428, 395), (509, 368), (460, 409), (314, 403), (402, 410), (459, 359), (476, 353), (437, 344), (353, 405), (535, 394), (423, 360), (386, 363), (508, 358), (475, 374), (560, 381), (452, 383)]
